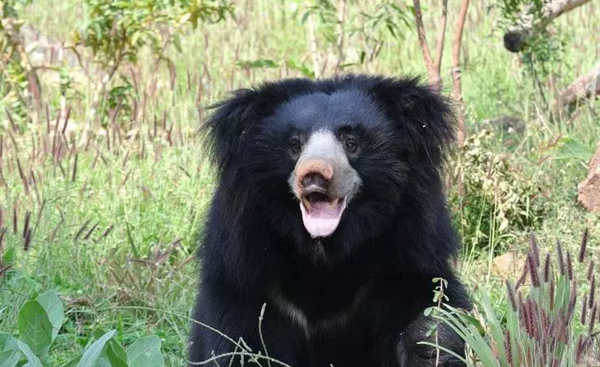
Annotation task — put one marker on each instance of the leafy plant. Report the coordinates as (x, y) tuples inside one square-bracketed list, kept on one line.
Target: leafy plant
[(326, 12), (544, 324), (16, 73), (540, 49), (390, 18), (117, 31), (371, 28), (491, 196), (39, 323)]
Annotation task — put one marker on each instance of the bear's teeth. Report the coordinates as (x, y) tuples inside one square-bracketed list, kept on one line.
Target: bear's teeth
[(307, 204)]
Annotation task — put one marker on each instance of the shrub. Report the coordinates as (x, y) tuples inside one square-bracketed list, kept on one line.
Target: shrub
[(491, 195), (17, 78), (117, 31), (543, 324), (39, 323)]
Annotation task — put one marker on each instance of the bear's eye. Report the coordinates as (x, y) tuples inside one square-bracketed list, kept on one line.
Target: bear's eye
[(296, 146), (351, 145)]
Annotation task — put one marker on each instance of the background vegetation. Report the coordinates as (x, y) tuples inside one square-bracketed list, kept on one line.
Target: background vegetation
[(103, 182)]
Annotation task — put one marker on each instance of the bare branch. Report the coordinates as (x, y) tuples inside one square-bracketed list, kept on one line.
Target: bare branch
[(441, 36), (586, 86), (456, 72), (421, 33), (433, 73), (558, 7)]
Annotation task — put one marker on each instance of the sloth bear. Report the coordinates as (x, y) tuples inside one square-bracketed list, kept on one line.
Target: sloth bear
[(329, 210)]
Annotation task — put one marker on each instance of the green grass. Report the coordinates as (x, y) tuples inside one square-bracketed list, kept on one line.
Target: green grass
[(153, 193)]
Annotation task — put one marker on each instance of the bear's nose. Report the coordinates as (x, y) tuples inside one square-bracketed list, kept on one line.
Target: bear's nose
[(313, 179), (315, 173)]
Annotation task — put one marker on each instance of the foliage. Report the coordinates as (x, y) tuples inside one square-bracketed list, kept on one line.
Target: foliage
[(326, 12), (544, 324), (542, 50), (112, 224), (40, 321), (389, 19), (118, 30), (492, 198), (15, 71), (371, 27), (511, 10)]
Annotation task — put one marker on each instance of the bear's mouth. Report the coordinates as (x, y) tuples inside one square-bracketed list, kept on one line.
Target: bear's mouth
[(321, 212)]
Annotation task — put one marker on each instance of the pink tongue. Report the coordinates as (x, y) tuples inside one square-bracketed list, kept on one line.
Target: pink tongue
[(322, 219)]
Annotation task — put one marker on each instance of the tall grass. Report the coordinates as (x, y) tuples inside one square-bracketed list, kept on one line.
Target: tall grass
[(111, 225)]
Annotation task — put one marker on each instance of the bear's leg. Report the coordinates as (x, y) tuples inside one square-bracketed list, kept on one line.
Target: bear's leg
[(238, 318)]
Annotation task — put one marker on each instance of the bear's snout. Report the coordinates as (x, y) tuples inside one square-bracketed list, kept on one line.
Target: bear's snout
[(314, 175)]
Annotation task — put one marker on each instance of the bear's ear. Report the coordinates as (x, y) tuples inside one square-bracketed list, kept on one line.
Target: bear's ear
[(225, 127), (232, 119), (425, 115)]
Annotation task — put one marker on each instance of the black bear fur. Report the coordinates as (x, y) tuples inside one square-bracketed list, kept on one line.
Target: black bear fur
[(355, 298)]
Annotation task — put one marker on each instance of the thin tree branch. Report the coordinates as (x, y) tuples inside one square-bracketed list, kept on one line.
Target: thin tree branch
[(421, 33), (586, 86), (558, 7), (441, 36), (434, 75), (456, 72)]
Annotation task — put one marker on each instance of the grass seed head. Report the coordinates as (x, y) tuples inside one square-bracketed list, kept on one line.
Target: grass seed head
[(583, 247), (534, 248), (561, 259), (547, 268)]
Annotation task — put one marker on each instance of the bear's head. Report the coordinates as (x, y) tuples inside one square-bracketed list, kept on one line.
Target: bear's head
[(332, 164)]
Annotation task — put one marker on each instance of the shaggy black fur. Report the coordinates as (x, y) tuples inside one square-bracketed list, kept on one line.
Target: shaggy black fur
[(357, 297)]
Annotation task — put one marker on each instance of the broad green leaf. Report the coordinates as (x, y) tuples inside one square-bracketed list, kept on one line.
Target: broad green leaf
[(10, 358), (32, 360), (7, 341), (145, 352), (73, 362), (115, 353), (103, 361), (92, 354), (35, 328), (9, 351), (54, 309)]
